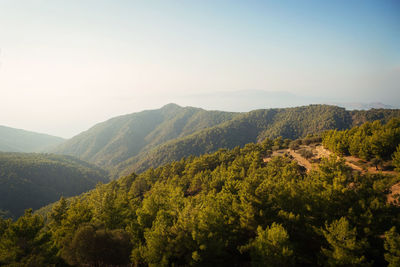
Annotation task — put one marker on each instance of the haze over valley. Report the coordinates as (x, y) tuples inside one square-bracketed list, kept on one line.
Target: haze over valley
[(64, 69)]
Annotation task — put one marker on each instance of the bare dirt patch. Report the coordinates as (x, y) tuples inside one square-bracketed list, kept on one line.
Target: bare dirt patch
[(393, 196), (301, 160)]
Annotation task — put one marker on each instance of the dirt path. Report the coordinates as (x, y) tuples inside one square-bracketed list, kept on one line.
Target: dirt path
[(349, 162), (301, 160), (392, 198), (322, 152)]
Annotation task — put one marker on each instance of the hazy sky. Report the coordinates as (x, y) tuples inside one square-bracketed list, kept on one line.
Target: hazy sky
[(65, 65)]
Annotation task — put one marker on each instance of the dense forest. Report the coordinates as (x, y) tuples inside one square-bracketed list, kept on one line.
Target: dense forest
[(227, 208), (16, 140), (370, 141), (137, 141), (34, 180)]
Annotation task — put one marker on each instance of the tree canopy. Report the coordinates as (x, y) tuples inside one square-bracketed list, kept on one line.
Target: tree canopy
[(226, 208)]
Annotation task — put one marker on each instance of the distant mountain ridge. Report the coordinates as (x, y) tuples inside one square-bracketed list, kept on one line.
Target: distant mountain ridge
[(247, 100), (363, 106), (17, 140), (137, 141)]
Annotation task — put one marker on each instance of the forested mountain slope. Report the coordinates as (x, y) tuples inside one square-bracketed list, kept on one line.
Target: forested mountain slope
[(137, 141), (229, 208), (118, 139), (16, 140), (254, 126), (34, 180)]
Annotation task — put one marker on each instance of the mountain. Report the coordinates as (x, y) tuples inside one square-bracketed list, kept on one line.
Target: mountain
[(118, 139), (150, 138), (31, 180), (254, 126), (17, 140)]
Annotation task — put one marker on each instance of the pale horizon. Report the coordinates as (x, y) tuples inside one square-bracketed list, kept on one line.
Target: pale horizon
[(67, 65)]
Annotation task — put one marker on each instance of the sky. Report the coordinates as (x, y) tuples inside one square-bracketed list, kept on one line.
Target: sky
[(66, 65)]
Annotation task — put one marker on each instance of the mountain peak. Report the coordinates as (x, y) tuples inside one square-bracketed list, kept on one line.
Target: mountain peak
[(171, 106)]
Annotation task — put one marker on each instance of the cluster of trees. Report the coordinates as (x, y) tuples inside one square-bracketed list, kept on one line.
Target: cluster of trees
[(31, 180), (368, 141), (227, 208)]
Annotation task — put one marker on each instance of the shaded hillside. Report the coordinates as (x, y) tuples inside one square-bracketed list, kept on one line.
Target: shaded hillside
[(34, 180), (150, 138), (17, 140), (118, 139)]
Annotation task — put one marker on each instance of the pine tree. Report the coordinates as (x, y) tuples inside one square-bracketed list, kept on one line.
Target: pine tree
[(392, 247), (271, 247), (396, 158), (344, 248)]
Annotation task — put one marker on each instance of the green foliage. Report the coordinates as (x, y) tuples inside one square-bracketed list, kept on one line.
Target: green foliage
[(392, 247), (310, 139), (230, 208), (368, 141), (98, 247), (384, 115), (344, 248), (271, 247), (306, 153), (227, 208), (396, 158), (34, 180), (25, 243), (294, 145)]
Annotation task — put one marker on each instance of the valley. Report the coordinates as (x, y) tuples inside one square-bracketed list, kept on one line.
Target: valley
[(33, 180)]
